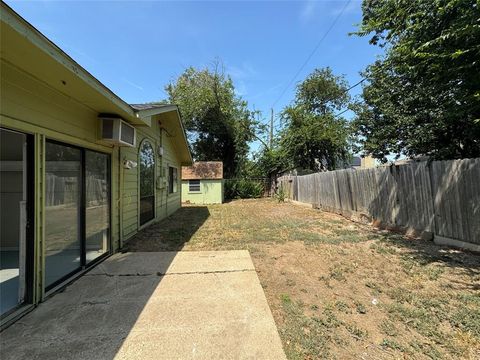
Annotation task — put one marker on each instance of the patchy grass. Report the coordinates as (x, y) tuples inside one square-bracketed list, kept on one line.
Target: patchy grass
[(339, 289)]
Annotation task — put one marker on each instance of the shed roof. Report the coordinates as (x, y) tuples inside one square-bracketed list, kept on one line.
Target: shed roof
[(203, 170)]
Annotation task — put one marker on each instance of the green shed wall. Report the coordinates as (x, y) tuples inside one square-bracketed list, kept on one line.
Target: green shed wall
[(211, 192)]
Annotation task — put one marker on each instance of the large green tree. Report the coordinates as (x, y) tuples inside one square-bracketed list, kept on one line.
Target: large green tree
[(423, 96), (218, 122), (314, 138)]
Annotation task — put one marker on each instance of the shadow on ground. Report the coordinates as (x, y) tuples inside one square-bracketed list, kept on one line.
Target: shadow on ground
[(422, 253), (170, 234), (92, 317)]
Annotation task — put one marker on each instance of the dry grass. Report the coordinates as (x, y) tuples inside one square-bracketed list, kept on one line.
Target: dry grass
[(339, 289)]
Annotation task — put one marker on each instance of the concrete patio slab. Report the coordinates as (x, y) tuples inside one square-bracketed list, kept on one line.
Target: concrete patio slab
[(164, 305)]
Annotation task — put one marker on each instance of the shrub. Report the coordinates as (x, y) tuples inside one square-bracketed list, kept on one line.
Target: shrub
[(243, 189), (281, 195)]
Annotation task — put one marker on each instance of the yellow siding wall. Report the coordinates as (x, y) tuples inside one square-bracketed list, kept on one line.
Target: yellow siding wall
[(165, 203), (30, 106)]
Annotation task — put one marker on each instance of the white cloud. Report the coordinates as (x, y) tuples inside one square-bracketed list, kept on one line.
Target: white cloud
[(245, 70), (240, 75), (132, 84), (268, 91), (354, 6), (307, 11)]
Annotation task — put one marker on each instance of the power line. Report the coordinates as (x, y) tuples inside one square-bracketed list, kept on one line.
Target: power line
[(312, 53), (347, 90), (340, 113), (353, 86)]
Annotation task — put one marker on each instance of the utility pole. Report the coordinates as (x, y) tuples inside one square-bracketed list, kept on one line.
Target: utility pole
[(271, 130)]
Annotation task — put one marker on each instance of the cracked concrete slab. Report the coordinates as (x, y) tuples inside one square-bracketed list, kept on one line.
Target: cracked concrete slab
[(170, 305), (150, 263)]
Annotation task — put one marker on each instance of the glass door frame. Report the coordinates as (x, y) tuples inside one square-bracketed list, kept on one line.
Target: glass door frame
[(29, 225), (142, 223), (82, 223)]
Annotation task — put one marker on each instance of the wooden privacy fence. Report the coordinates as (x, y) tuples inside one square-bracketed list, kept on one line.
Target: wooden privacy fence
[(441, 197)]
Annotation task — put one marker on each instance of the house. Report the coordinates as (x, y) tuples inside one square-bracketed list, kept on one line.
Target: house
[(202, 183), (359, 162), (81, 170)]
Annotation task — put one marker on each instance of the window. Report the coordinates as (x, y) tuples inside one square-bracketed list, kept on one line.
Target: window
[(147, 182), (172, 180), (194, 185)]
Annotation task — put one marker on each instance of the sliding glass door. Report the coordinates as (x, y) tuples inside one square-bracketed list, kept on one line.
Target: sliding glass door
[(16, 220), (63, 225), (77, 209), (97, 204)]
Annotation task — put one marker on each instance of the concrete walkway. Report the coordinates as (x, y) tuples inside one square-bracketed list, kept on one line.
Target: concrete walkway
[(164, 305)]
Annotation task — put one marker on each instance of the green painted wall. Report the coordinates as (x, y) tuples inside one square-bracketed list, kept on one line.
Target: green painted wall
[(29, 105), (165, 203), (211, 192)]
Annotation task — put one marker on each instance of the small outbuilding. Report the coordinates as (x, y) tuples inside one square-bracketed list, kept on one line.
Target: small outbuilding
[(202, 183)]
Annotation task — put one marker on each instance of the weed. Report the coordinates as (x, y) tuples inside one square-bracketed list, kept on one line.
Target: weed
[(426, 349), (328, 320), (326, 280), (357, 333), (285, 298), (361, 309), (423, 321), (383, 249), (343, 307), (290, 282), (433, 272), (336, 273), (388, 328), (306, 337), (467, 320), (281, 194), (466, 298), (374, 286), (392, 344)]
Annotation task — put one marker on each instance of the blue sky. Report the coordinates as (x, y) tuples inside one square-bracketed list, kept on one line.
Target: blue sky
[(136, 47)]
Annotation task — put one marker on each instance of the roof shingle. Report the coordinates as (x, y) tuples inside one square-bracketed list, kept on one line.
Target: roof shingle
[(203, 170)]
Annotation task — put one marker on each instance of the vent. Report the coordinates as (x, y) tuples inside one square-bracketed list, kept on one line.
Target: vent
[(127, 133), (118, 132)]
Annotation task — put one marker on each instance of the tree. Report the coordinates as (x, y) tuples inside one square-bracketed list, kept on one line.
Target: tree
[(218, 122), (314, 138), (423, 96), (268, 162)]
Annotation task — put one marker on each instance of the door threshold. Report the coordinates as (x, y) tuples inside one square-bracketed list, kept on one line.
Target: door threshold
[(74, 277), (15, 315)]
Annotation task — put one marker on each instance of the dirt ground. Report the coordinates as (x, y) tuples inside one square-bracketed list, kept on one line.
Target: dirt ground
[(338, 289)]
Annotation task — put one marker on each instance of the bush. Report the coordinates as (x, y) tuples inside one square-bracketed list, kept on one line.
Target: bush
[(281, 194), (243, 189)]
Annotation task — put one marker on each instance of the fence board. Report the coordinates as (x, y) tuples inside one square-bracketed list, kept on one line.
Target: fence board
[(442, 197)]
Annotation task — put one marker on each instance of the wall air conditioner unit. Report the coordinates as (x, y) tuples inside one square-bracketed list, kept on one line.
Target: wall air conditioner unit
[(116, 131)]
